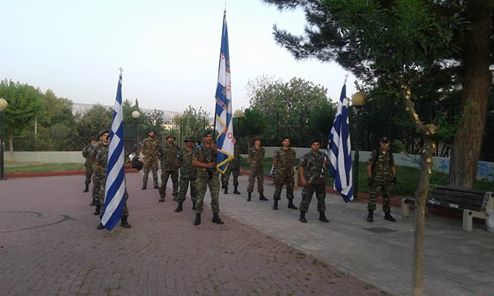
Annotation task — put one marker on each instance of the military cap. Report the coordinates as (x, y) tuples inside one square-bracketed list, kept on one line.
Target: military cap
[(257, 138), (314, 141), (169, 136), (284, 138), (103, 132), (384, 140), (207, 132), (189, 139)]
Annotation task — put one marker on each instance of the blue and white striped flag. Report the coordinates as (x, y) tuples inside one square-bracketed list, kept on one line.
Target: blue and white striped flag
[(340, 151), (115, 178), (223, 109)]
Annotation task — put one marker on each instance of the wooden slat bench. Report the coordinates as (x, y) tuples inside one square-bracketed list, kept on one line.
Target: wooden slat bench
[(473, 203)]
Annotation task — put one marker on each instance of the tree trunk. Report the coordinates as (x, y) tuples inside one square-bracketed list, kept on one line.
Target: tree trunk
[(476, 82)]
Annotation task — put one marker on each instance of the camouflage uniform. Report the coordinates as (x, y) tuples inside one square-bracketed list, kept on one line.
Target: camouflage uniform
[(315, 177), (169, 168), (150, 148), (101, 162), (382, 176), (98, 174), (284, 172), (187, 176), (207, 177), (233, 169), (256, 156), (89, 153)]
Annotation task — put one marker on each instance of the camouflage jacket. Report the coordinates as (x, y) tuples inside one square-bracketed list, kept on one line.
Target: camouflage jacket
[(169, 157), (150, 148), (205, 154), (256, 156), (285, 161), (314, 168), (382, 165), (185, 159), (101, 159), (89, 153)]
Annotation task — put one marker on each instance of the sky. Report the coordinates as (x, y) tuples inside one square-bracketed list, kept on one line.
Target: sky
[(169, 50)]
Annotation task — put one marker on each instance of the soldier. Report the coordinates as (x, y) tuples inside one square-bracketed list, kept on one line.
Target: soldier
[(187, 175), (204, 159), (150, 148), (101, 164), (233, 168), (255, 159), (89, 153), (312, 176), (381, 171), (169, 166), (283, 161), (98, 178)]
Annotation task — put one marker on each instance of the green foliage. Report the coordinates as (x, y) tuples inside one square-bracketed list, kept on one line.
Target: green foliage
[(91, 123), (191, 123), (295, 108)]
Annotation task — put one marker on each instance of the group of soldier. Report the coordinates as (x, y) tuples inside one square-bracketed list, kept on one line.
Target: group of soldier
[(194, 166)]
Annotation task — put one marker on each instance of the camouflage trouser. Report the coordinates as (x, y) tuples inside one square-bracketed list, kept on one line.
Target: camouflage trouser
[(308, 191), (184, 186), (226, 176), (98, 179), (259, 174), (374, 191), (153, 167), (279, 181), (202, 183), (164, 180), (125, 210), (89, 173)]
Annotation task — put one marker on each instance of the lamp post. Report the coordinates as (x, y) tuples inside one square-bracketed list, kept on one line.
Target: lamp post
[(358, 101), (238, 114), (136, 114), (3, 106)]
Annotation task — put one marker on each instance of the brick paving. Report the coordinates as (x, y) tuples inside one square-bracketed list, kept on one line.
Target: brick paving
[(49, 245)]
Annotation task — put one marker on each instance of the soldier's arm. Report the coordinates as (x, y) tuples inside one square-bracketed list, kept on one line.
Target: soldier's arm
[(301, 178), (275, 159)]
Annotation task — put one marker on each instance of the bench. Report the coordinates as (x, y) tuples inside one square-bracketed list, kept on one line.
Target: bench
[(473, 203)]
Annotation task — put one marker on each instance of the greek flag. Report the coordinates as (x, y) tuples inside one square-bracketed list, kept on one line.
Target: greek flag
[(223, 109), (115, 179), (340, 151)]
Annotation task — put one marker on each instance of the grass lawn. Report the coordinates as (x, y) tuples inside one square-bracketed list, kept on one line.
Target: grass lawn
[(35, 167), (407, 177)]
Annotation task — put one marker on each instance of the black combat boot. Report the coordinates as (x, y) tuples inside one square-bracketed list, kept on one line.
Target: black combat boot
[(197, 221), (179, 208), (387, 216), (291, 205), (162, 199), (144, 187), (302, 217), (193, 205), (370, 216), (156, 186), (226, 189), (235, 190), (100, 226), (124, 223), (86, 188), (216, 219), (275, 205), (322, 217), (249, 196), (97, 210), (262, 197), (94, 202)]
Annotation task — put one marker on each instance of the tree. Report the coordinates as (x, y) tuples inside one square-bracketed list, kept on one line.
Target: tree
[(396, 46), (289, 105), (91, 123), (192, 123), (24, 102)]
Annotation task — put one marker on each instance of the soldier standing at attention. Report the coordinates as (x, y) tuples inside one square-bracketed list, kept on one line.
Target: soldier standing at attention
[(89, 153), (255, 159), (98, 178), (312, 176), (187, 175), (150, 148), (169, 166), (204, 159), (101, 164), (283, 161), (233, 168), (381, 171)]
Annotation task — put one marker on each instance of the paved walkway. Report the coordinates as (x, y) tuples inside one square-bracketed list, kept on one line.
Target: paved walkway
[(49, 245)]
